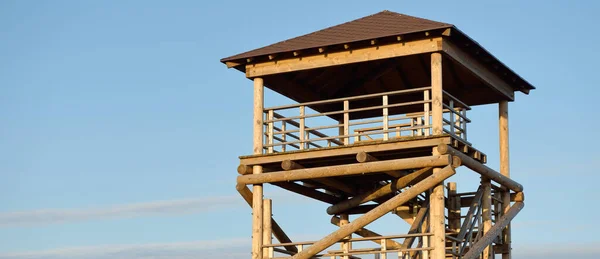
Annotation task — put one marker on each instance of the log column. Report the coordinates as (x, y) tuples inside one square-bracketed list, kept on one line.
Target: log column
[(486, 204), (257, 189), (436, 198), (504, 170)]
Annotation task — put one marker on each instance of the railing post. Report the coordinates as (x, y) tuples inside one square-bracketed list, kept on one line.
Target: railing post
[(301, 133), (346, 122), (458, 122), (270, 132), (451, 113), (436, 94), (383, 249), (345, 244), (283, 136), (426, 112), (386, 134), (464, 128)]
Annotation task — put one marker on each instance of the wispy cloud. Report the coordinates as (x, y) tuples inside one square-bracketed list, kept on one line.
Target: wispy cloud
[(208, 249), (154, 208), (240, 248)]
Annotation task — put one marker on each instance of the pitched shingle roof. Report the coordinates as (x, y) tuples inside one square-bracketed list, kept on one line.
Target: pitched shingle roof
[(379, 25)]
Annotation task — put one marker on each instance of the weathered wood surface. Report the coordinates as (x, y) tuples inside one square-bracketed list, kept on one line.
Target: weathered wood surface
[(346, 170), (489, 237), (376, 213)]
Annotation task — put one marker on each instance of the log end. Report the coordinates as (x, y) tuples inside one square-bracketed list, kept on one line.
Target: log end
[(519, 197), (442, 149), (244, 169), (456, 161)]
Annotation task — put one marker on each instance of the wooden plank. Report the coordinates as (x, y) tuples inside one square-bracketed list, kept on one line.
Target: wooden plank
[(344, 57), (346, 170), (417, 142), (478, 69), (489, 237), (376, 213)]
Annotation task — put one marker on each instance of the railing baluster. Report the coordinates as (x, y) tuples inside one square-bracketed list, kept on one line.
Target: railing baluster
[(383, 249), (386, 134), (346, 122), (426, 111), (283, 135), (451, 113), (301, 133), (270, 132), (464, 128)]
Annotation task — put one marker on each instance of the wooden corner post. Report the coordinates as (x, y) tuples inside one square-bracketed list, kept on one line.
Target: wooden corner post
[(257, 189), (504, 170), (436, 198)]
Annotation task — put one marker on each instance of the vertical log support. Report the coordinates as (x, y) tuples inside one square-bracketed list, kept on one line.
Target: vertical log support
[(267, 228), (453, 208), (504, 170), (344, 220), (436, 198), (486, 204), (257, 189)]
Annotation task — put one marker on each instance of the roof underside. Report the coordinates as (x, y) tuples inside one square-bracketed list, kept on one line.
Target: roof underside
[(379, 75)]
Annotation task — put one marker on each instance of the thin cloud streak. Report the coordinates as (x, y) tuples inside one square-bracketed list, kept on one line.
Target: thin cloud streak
[(154, 208), (240, 248), (207, 249)]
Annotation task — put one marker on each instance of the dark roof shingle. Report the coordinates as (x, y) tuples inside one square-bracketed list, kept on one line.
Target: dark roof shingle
[(382, 24)]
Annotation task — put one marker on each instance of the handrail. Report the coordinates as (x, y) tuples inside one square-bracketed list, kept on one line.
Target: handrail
[(353, 239), (352, 98)]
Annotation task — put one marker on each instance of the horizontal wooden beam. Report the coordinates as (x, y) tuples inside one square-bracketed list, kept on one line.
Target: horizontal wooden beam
[(490, 236), (363, 232), (351, 150), (478, 69), (345, 170), (482, 169), (288, 165), (344, 57)]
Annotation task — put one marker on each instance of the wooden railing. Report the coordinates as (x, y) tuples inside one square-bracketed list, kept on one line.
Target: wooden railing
[(286, 127), (384, 248)]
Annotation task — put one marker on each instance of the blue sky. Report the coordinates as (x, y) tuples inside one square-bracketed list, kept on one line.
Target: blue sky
[(121, 129)]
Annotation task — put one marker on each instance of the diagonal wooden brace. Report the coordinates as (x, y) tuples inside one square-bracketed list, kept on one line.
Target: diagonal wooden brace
[(379, 192), (489, 237), (277, 231), (376, 213)]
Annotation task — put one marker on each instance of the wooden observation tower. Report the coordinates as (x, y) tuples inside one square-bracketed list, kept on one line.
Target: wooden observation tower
[(379, 125)]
